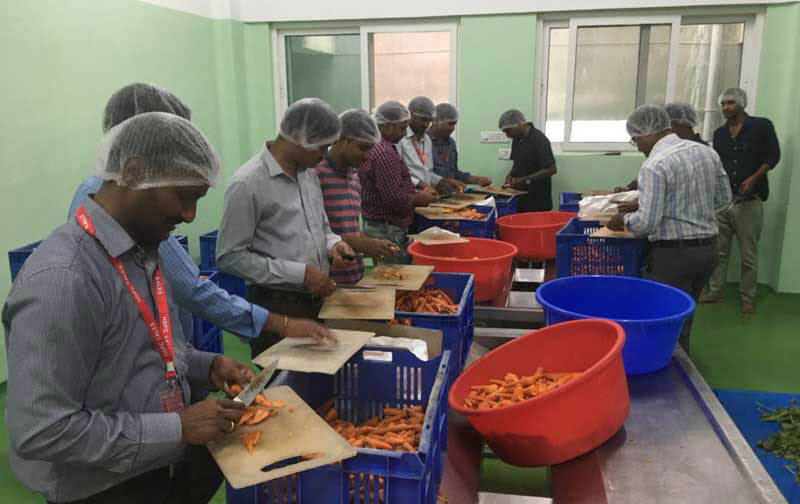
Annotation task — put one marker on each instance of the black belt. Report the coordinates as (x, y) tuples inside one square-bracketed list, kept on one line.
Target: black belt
[(737, 200), (696, 242)]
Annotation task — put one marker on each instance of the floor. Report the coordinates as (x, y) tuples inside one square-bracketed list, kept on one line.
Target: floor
[(757, 352)]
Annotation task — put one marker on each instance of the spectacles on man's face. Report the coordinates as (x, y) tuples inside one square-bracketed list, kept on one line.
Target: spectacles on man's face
[(634, 141)]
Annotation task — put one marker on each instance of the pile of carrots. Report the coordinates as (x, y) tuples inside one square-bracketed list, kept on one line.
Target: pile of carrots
[(513, 389), (424, 301), (254, 415), (398, 430), (467, 213)]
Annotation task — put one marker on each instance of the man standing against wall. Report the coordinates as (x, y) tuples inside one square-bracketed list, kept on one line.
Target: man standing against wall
[(749, 148), (534, 164), (445, 153)]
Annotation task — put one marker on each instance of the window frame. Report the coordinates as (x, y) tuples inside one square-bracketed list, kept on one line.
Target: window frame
[(364, 30), (753, 21)]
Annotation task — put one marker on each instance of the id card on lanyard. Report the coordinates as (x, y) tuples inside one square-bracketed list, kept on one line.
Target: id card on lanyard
[(160, 330), (420, 152)]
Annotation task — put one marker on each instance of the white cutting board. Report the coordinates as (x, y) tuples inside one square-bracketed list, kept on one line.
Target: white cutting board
[(287, 435), (374, 304), (307, 356), (414, 277)]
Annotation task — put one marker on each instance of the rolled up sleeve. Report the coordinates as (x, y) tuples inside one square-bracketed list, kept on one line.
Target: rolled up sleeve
[(652, 197)]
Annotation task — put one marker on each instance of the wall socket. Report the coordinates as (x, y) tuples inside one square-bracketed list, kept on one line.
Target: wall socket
[(494, 137), (504, 153)]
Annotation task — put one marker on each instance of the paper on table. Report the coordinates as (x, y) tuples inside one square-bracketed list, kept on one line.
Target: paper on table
[(437, 236)]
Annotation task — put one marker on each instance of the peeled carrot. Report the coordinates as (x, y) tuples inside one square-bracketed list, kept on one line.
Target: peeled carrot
[(259, 416), (513, 389), (250, 439), (235, 388)]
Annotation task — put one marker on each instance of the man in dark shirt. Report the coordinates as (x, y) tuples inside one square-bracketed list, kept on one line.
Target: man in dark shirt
[(445, 152), (748, 147), (533, 160)]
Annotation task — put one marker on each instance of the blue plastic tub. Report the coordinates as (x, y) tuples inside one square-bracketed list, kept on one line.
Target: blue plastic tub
[(17, 257), (361, 389), (457, 327), (577, 253), (568, 201), (476, 229), (651, 313)]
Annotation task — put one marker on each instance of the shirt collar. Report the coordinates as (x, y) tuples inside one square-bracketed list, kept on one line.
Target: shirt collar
[(664, 143), (111, 235), (273, 168)]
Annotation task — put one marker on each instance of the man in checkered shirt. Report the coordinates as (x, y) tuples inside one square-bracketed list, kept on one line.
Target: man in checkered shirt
[(388, 196)]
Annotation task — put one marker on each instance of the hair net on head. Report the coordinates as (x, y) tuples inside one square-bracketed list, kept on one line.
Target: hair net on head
[(172, 150), (511, 118), (138, 98), (422, 107), (391, 112), (681, 113), (647, 120), (446, 113), (734, 94), (310, 123), (360, 126)]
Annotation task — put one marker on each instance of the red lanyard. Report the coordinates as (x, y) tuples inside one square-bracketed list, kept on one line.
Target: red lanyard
[(161, 331), (420, 154)]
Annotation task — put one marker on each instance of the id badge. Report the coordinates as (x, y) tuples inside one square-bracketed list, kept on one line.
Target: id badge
[(172, 398)]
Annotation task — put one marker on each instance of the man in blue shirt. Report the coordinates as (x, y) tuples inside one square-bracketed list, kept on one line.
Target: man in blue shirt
[(749, 148), (445, 152), (198, 295)]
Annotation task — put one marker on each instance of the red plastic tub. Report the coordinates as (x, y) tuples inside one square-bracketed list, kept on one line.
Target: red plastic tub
[(564, 423), (533, 233), (488, 260)]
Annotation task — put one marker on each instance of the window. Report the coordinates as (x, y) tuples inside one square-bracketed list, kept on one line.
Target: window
[(364, 66), (596, 70)]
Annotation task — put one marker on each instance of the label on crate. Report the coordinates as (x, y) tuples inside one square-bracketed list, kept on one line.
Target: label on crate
[(375, 355)]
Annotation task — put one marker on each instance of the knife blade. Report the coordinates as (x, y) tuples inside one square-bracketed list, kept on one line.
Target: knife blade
[(248, 395), (356, 287)]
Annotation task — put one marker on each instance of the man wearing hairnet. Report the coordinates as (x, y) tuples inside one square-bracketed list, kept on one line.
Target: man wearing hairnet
[(683, 120), (417, 149), (749, 148), (341, 191), (445, 153), (274, 232), (533, 162), (199, 296), (100, 374), (388, 195), (678, 218)]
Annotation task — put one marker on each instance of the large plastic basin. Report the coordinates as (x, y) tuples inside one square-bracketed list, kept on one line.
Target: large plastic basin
[(563, 423), (651, 313), (533, 233), (488, 260)]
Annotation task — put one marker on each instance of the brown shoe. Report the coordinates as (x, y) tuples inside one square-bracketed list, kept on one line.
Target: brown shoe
[(711, 298), (748, 308)]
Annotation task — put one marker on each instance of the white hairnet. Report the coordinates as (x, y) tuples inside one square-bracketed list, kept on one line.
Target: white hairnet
[(172, 150), (310, 123), (358, 125), (446, 113), (734, 94), (138, 98), (681, 113), (422, 107), (647, 120), (391, 112), (511, 118)]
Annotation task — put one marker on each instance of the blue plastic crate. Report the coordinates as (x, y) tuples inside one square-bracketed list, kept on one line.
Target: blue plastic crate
[(579, 254), (184, 241), (361, 389), (457, 327), (17, 257), (506, 205), (568, 201), (208, 250), (476, 229)]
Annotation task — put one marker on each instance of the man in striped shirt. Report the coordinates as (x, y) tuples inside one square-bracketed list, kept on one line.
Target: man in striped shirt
[(388, 195), (681, 187), (341, 191)]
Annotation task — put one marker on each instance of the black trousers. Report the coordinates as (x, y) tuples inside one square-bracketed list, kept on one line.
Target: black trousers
[(531, 202), (195, 481), (686, 268), (293, 304)]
